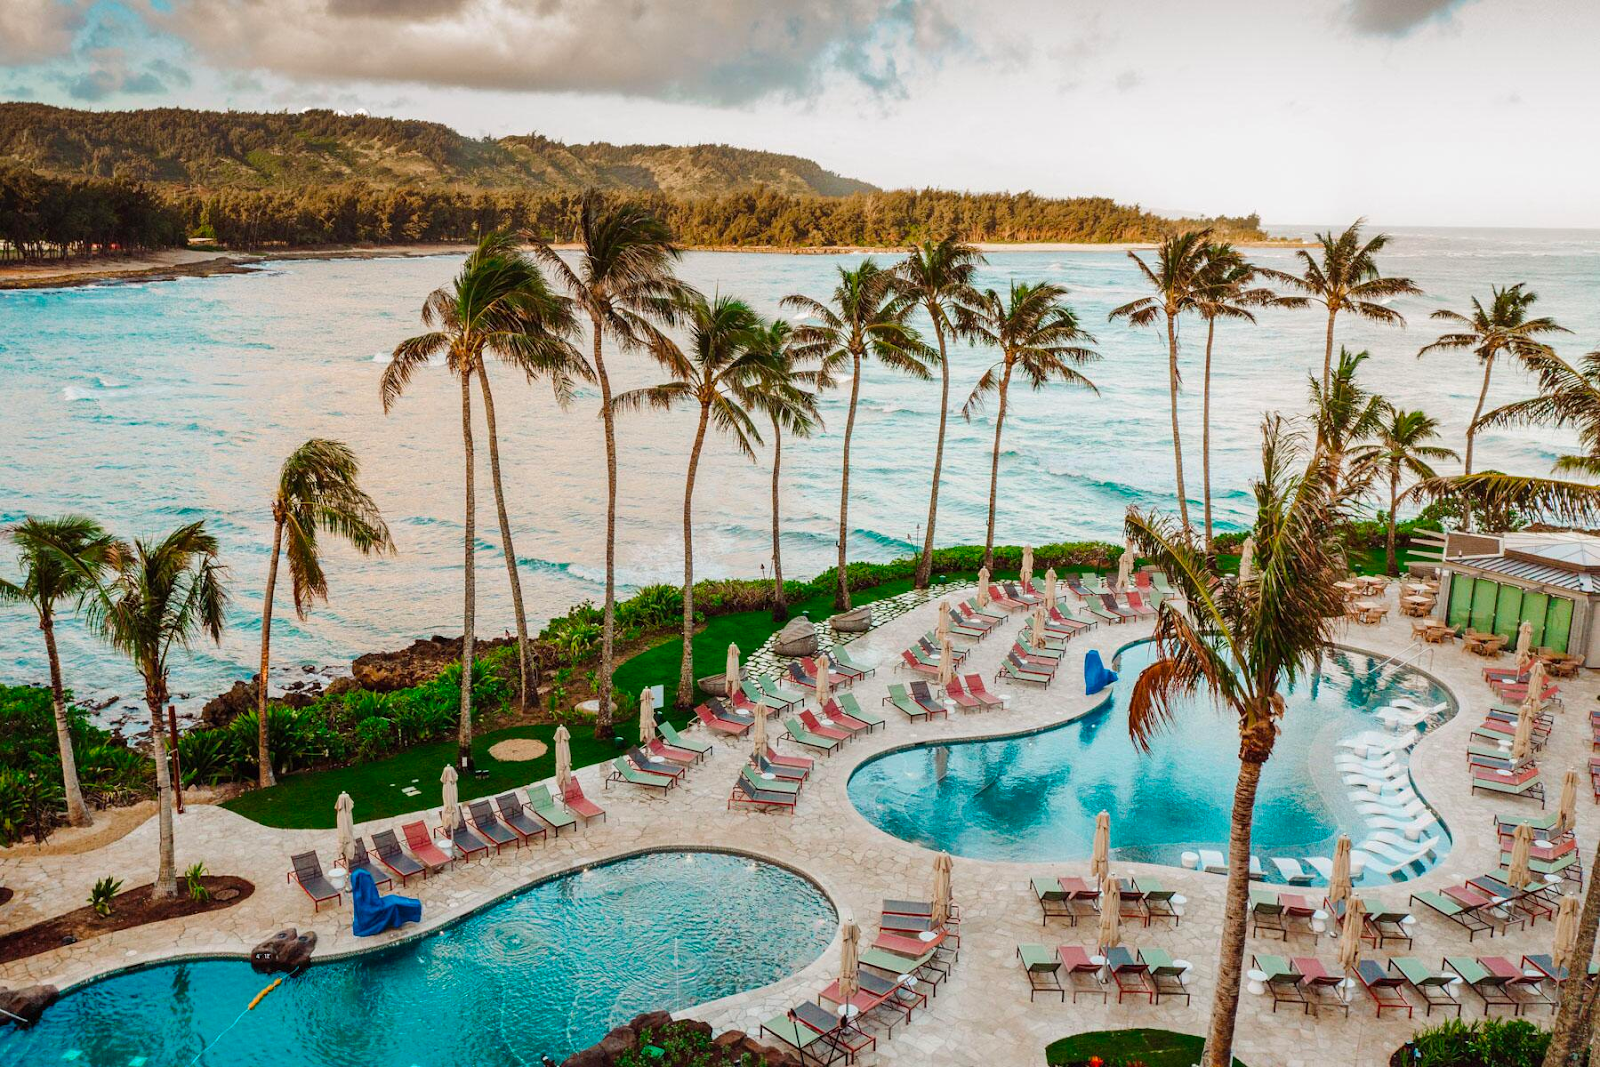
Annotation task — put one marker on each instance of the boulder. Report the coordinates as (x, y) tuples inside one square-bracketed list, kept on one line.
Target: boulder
[(421, 661), (223, 709), (797, 638), (716, 685), (653, 1021), (854, 621), (286, 950), (589, 1057), (340, 686), (620, 1040), (24, 1006)]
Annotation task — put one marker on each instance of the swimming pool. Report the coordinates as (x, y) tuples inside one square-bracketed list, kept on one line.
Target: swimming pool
[(546, 972), (1034, 797)]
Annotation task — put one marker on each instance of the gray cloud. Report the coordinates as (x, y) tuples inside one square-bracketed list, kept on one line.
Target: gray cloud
[(729, 52), (1396, 18), (35, 30)]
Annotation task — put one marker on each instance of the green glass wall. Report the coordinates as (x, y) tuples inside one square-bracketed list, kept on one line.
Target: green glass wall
[(1501, 608)]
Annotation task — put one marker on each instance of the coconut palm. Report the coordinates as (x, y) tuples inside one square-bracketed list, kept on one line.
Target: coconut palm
[(717, 373), (318, 491), (1178, 277), (61, 559), (623, 282), (1035, 332), (1242, 643), (1345, 277), (498, 304), (1226, 292), (1501, 327), (1345, 415), (784, 394), (862, 322), (1400, 448), (163, 595), (937, 276), (1577, 999)]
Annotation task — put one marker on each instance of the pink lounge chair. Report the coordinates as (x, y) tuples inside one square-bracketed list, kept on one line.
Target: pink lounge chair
[(813, 724), (1058, 622), (977, 620), (912, 663), (1137, 603), (681, 756), (813, 667), (579, 804), (712, 722), (420, 842), (841, 718), (998, 596), (1514, 693), (963, 700), (799, 763), (975, 686)]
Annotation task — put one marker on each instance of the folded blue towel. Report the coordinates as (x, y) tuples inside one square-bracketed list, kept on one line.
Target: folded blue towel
[(374, 912), (1095, 675)]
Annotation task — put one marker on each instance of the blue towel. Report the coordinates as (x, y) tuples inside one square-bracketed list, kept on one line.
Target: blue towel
[(1095, 675), (375, 913)]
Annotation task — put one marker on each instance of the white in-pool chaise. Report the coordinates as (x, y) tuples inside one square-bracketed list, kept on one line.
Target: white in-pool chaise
[(1291, 871)]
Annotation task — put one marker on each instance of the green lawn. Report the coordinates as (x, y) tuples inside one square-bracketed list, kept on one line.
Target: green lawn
[(1118, 1048)]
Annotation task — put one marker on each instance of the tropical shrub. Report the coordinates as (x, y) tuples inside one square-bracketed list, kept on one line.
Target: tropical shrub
[(374, 737), (100, 896), (209, 756), (194, 883), (654, 607), (1479, 1043)]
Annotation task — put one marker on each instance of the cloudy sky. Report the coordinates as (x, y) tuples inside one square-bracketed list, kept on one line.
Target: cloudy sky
[(1442, 112)]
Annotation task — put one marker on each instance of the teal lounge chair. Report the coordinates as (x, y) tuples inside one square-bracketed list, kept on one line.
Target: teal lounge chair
[(761, 699), (1430, 985), (1043, 970), (623, 771), (671, 736), (769, 685), (774, 785), (901, 698), (542, 804), (852, 707), (841, 654), (797, 732)]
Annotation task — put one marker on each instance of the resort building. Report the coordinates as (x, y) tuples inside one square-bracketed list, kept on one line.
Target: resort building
[(1493, 582)]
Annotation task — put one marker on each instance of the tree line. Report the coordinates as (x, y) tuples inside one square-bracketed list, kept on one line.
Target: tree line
[(43, 217)]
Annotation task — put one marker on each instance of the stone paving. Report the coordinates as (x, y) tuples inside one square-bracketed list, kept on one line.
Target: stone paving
[(982, 1014)]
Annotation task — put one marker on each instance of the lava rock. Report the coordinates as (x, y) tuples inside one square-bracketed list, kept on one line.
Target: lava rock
[(797, 638), (620, 1040), (340, 686), (286, 950), (22, 1007), (223, 709), (421, 661)]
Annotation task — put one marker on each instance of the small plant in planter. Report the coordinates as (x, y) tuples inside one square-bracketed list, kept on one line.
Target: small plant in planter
[(100, 896), (194, 881)]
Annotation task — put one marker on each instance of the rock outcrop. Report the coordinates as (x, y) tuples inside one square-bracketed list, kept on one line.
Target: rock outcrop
[(223, 709), (421, 661), (286, 950), (22, 1007), (797, 638), (657, 1028)]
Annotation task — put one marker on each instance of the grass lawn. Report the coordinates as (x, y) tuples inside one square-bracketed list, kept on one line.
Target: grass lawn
[(1153, 1048)]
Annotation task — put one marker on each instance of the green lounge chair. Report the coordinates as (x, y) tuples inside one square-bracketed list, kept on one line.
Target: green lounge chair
[(761, 699), (852, 707), (1053, 900), (901, 698), (542, 804), (994, 613), (671, 736), (841, 654), (797, 732), (1158, 900), (811, 1046), (623, 771), (1430, 985), (769, 685), (1493, 990), (1466, 918), (923, 967), (1030, 649), (1165, 972), (774, 785), (1283, 981), (1043, 970), (1009, 669)]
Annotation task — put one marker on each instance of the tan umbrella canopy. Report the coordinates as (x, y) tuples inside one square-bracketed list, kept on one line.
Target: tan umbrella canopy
[(1350, 935), (563, 759), (758, 733), (1524, 644), (732, 675), (1536, 683), (1050, 588), (941, 889), (1567, 811), (942, 629), (1339, 884), (1566, 935), (1100, 863), (1110, 913), (1247, 558), (344, 818), (1125, 567), (1517, 872), (1038, 624), (983, 587), (849, 960), (647, 717), (450, 800), (824, 671), (947, 661), (1522, 740), (1027, 565)]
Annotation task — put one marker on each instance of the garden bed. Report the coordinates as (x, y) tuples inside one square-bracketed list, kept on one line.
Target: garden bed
[(133, 907), (1127, 1048)]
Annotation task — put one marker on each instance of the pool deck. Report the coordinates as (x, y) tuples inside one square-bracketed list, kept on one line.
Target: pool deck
[(982, 1014)]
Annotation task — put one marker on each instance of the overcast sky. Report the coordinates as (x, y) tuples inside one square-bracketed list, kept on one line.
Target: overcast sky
[(1423, 112)]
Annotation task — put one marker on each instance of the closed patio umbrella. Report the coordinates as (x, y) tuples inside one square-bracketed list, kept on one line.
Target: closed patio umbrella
[(943, 627), (824, 670), (1038, 624), (563, 759), (1339, 884), (1517, 873), (1524, 645), (1522, 740), (450, 799), (1536, 683), (732, 675), (983, 587), (1027, 565), (1050, 588), (1247, 558), (1566, 935), (849, 960), (1110, 913), (1125, 567), (1350, 935), (1567, 811), (947, 659), (344, 818), (1100, 863), (647, 717), (941, 889), (758, 733)]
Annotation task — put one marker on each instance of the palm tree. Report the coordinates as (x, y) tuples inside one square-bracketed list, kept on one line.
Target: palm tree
[(1345, 278), (1242, 643), (61, 559), (317, 490), (499, 304), (1225, 293), (1035, 332), (717, 373), (1345, 414), (861, 321), (784, 397), (1503, 326), (1577, 999), (624, 282), (162, 596), (937, 276), (1177, 278), (1401, 448)]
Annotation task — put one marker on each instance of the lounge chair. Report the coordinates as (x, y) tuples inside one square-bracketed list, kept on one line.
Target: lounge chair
[(763, 767), (420, 842), (811, 1046), (774, 784), (797, 732), (958, 695), (1043, 970), (680, 756), (1380, 926), (574, 800), (802, 765), (924, 966), (1095, 607), (910, 662), (671, 736), (1382, 987), (711, 721), (848, 704), (652, 763), (759, 698), (1267, 914), (836, 679), (1014, 668), (902, 699), (787, 698), (622, 770), (1049, 658), (1282, 981), (308, 873), (975, 686), (387, 847), (850, 673), (983, 701), (809, 720), (1523, 783), (1321, 984), (801, 678), (1463, 916), (1166, 976), (1430, 985), (1082, 972), (1493, 989), (1131, 976), (1054, 901), (517, 817), (482, 814), (1014, 591), (998, 597), (1056, 619), (841, 655), (1136, 601), (841, 1031), (1109, 602), (467, 843), (361, 861), (1291, 871), (746, 793)]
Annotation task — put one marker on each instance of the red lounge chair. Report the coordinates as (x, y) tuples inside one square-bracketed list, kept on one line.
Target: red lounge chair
[(681, 756), (1137, 603), (1516, 694), (1131, 976), (799, 763), (801, 677), (910, 662), (837, 716), (954, 691), (420, 842), (387, 848), (975, 686), (998, 596), (1075, 961), (721, 725), (1037, 664), (1382, 986), (836, 678), (812, 724), (1058, 622), (975, 620), (579, 804)]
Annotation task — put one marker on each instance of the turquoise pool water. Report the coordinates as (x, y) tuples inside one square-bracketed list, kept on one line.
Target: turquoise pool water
[(1035, 797), (546, 972)]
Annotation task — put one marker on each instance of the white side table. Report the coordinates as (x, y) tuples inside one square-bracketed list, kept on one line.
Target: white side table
[(1258, 982)]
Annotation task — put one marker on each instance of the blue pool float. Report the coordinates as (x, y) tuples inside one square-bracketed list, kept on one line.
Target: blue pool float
[(1095, 675), (375, 913)]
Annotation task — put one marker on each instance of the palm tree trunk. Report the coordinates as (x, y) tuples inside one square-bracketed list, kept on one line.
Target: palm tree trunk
[(1225, 1007), (469, 605), (155, 695), (77, 812), (1177, 440), (1327, 351), (994, 469), (686, 667), (524, 658), (1566, 1037), (925, 564), (780, 600), (841, 595), (1477, 413), (1391, 563), (608, 624), (264, 776), (1205, 429)]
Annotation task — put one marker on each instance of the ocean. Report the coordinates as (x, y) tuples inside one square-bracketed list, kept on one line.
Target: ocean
[(149, 405)]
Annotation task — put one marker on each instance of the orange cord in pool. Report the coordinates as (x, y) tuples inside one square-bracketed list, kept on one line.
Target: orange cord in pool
[(276, 982)]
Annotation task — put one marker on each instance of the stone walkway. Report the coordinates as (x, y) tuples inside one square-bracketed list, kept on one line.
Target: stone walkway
[(982, 1015)]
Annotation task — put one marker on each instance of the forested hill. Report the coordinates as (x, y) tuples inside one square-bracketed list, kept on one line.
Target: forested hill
[(216, 150)]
